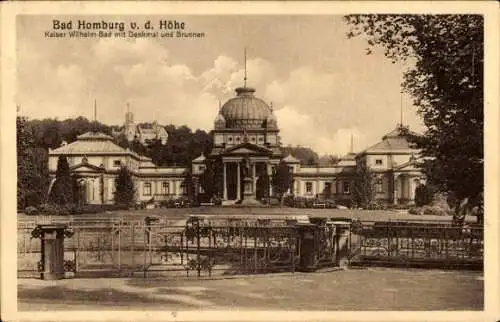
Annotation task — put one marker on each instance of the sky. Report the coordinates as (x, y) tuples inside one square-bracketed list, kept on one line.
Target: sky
[(323, 87)]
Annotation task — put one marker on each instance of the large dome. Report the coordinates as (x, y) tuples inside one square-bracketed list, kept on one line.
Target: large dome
[(245, 110)]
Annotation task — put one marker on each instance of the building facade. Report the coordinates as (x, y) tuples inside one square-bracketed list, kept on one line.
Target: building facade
[(143, 134), (96, 160), (246, 145)]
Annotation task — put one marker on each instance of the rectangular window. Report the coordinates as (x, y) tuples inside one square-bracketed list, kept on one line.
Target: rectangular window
[(378, 186), (164, 188), (328, 187), (147, 189), (117, 163), (346, 187), (378, 161), (309, 187)]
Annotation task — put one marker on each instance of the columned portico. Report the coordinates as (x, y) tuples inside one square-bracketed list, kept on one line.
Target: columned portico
[(241, 176), (405, 184), (246, 141)]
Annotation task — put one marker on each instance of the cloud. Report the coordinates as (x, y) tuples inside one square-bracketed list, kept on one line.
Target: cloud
[(316, 106)]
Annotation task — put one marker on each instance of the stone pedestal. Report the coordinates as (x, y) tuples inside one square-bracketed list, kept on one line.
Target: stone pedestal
[(52, 250), (249, 193), (308, 247)]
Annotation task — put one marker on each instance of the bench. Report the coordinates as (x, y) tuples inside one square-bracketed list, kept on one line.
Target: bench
[(319, 205), (207, 204)]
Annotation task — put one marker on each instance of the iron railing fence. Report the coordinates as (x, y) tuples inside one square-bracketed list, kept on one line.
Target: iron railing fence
[(203, 248), (196, 248), (416, 243)]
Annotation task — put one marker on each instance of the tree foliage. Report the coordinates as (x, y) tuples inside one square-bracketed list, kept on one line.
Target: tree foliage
[(211, 178), (32, 170), (282, 179), (63, 187), (363, 192), (445, 79), (124, 188), (424, 194)]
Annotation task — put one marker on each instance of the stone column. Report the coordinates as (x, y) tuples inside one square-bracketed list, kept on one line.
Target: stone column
[(224, 182), (269, 174), (411, 189), (238, 181), (254, 176), (395, 193)]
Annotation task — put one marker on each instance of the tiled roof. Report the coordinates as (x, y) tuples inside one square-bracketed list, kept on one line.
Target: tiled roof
[(291, 159), (395, 140), (91, 143), (201, 158), (94, 136)]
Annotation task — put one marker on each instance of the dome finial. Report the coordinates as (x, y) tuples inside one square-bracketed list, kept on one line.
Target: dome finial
[(245, 78)]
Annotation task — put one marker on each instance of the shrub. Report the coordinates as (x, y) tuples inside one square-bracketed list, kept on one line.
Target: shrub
[(49, 209), (31, 211), (299, 202), (346, 203), (288, 200), (330, 203), (64, 210), (433, 210), (375, 205), (416, 211), (217, 200), (309, 202)]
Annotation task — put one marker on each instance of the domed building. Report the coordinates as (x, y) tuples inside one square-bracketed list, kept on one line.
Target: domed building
[(246, 142), (246, 149)]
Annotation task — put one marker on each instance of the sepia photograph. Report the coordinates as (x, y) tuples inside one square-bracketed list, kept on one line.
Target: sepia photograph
[(250, 162)]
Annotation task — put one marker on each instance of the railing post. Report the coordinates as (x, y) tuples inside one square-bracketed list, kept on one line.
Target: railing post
[(198, 247), (119, 245), (132, 246), (255, 248), (210, 251)]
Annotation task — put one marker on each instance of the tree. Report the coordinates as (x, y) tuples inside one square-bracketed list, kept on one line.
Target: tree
[(62, 190), (363, 193), (210, 179), (262, 189), (124, 188), (423, 195), (446, 83), (282, 179), (32, 170)]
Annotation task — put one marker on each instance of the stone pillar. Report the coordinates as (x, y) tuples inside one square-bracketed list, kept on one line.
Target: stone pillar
[(254, 177), (238, 181), (270, 175), (224, 182), (412, 188), (395, 193)]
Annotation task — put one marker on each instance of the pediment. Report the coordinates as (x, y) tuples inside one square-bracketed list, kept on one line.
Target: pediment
[(247, 148), (408, 166), (85, 167)]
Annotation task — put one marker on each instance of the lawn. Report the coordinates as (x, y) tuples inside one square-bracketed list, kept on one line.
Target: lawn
[(181, 213)]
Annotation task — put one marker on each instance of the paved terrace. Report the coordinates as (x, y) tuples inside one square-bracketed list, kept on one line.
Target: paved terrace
[(354, 289)]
